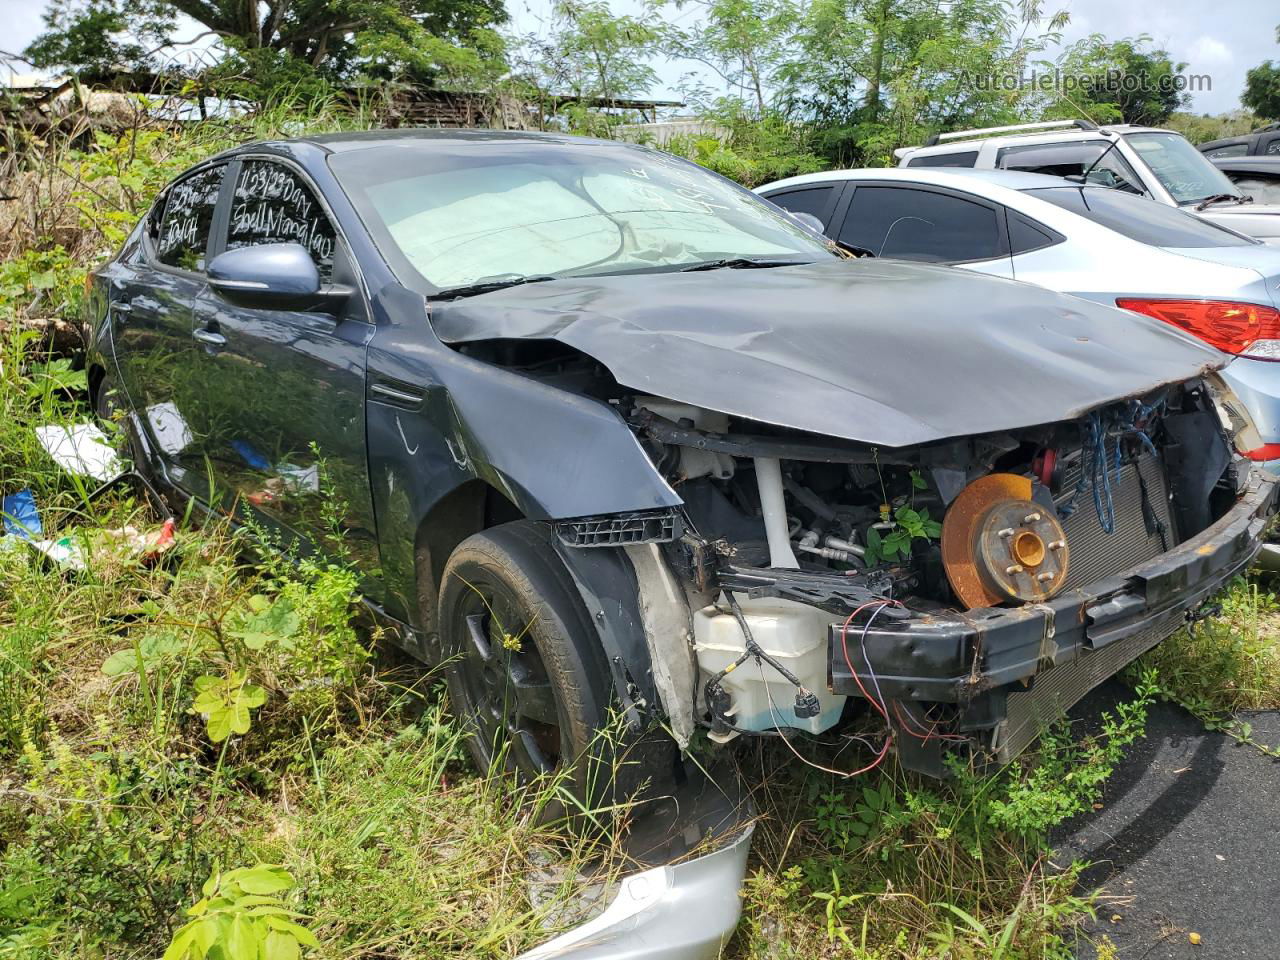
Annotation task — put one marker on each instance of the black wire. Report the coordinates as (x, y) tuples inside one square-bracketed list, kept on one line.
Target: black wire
[(756, 650)]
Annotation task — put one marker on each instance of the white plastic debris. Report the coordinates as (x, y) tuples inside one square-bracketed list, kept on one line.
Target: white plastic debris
[(81, 449), (64, 552)]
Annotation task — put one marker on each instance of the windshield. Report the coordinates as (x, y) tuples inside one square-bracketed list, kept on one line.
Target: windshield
[(459, 213), (1096, 160), (1137, 218), (1183, 170)]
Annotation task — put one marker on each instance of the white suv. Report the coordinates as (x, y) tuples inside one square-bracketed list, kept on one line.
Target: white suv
[(1159, 164)]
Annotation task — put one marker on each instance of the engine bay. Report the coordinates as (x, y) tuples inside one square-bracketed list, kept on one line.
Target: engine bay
[(973, 522)]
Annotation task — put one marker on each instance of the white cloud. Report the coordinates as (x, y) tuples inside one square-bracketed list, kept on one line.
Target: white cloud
[(1207, 51)]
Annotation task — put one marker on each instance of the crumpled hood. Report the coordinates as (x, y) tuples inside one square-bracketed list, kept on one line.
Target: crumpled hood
[(887, 353)]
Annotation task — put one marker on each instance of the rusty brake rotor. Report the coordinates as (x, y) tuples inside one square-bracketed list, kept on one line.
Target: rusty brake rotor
[(998, 545)]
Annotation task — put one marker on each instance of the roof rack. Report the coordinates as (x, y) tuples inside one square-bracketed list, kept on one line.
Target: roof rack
[(937, 138), (1268, 128)]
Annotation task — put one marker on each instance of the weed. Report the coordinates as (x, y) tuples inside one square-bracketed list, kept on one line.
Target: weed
[(240, 916), (1227, 664)]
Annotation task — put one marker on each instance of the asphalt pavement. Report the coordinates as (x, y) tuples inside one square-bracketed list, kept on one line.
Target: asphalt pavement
[(1187, 841)]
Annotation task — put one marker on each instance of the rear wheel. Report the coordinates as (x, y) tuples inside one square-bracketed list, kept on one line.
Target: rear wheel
[(525, 670)]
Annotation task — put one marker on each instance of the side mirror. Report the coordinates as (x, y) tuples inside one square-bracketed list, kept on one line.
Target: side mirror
[(271, 276)]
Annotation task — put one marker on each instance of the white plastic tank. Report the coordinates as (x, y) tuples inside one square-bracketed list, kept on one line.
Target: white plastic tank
[(762, 698)]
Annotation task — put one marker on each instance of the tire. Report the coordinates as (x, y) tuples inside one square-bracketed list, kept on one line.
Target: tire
[(525, 670)]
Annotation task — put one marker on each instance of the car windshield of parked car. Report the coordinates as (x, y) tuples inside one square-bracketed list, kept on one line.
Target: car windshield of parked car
[(1182, 169), (1140, 219), (469, 213)]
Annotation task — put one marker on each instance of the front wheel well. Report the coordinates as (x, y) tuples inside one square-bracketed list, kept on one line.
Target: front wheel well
[(468, 509)]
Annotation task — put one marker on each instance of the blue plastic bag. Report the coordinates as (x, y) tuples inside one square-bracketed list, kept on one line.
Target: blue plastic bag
[(20, 515)]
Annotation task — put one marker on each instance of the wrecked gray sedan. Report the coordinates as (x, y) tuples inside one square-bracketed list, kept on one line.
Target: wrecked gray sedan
[(615, 436)]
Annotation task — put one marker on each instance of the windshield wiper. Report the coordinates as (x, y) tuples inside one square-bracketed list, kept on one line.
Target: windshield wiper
[(1221, 198), (741, 263), (489, 285)]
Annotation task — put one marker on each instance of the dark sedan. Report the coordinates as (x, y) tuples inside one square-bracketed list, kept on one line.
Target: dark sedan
[(609, 432)]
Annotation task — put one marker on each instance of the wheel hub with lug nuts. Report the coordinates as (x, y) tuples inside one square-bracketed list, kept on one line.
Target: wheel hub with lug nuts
[(1000, 546), (1022, 551)]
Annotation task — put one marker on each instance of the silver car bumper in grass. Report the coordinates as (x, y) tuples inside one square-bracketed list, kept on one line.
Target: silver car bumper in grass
[(682, 911)]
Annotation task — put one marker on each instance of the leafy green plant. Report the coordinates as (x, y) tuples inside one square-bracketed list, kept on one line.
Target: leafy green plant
[(834, 904), (225, 703), (241, 917), (908, 524), (267, 621), (1228, 663), (56, 374), (148, 652), (1070, 773)]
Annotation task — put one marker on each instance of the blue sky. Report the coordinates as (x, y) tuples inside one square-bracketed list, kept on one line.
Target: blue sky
[(1222, 40)]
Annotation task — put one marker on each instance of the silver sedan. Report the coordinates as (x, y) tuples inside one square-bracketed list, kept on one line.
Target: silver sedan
[(1095, 242)]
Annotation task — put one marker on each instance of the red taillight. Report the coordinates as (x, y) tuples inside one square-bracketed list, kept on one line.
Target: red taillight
[(1268, 451), (1243, 329)]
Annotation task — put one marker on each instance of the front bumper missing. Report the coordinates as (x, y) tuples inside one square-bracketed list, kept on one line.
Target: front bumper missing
[(1012, 670)]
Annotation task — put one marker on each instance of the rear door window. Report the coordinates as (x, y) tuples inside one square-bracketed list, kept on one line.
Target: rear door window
[(188, 216), (1228, 150), (1146, 221), (916, 224), (273, 204), (817, 201), (962, 158), (1272, 147), (1026, 235)]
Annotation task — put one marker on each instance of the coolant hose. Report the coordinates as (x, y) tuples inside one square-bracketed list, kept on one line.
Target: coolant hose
[(774, 508)]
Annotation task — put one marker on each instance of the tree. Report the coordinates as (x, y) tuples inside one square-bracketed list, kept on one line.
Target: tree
[(101, 35), (1120, 81), (874, 74), (1262, 90), (334, 40), (589, 54), (743, 41)]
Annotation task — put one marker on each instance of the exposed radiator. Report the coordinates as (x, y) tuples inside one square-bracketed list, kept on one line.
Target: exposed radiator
[(1058, 690), (1095, 554)]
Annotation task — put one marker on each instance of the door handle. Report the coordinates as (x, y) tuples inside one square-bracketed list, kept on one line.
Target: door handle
[(210, 338)]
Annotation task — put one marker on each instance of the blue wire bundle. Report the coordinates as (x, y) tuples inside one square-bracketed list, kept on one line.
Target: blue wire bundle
[(1095, 472)]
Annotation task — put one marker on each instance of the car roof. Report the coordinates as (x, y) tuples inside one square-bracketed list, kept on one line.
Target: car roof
[(1227, 141), (1073, 135), (424, 138), (961, 178), (1013, 189), (1246, 164)]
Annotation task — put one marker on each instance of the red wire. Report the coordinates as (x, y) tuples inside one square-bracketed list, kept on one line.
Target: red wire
[(888, 739), (930, 732), (844, 646), (880, 707)]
